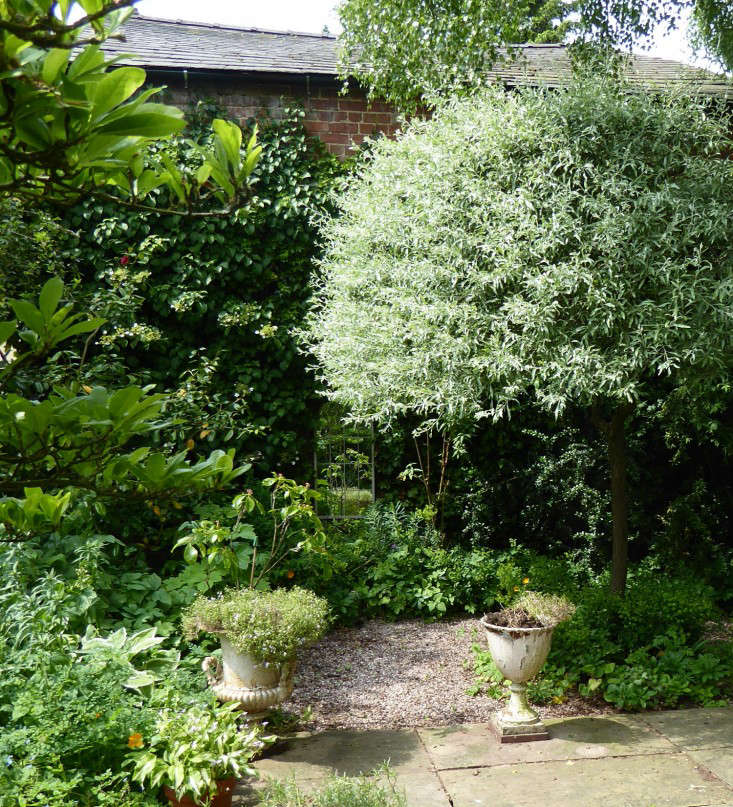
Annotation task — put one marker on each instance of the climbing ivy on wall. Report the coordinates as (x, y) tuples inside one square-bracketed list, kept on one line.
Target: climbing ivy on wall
[(203, 308)]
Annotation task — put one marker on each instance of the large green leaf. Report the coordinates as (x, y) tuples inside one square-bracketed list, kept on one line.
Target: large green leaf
[(7, 329), (150, 120), (116, 87), (50, 296), (230, 137), (29, 314), (54, 63)]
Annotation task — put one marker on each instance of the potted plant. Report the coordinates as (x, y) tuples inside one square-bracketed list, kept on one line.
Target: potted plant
[(196, 754), (519, 639), (260, 633)]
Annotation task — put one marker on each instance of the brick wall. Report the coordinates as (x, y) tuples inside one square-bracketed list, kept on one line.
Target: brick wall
[(341, 122)]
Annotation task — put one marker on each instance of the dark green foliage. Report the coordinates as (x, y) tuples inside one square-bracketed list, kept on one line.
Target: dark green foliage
[(202, 308), (392, 565), (544, 484), (646, 650), (28, 252)]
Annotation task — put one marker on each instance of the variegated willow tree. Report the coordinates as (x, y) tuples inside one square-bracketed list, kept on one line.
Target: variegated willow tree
[(572, 246)]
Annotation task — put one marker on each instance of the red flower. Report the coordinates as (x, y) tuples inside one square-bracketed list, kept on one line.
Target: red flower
[(124, 260)]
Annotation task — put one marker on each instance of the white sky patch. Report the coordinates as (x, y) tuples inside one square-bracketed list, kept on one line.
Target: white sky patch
[(309, 16)]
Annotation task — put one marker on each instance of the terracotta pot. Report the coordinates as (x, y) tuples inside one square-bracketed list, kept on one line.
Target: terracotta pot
[(255, 685), (223, 797)]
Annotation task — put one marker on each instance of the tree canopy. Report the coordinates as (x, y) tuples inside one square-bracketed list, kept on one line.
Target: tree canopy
[(409, 50), (712, 30), (400, 50), (569, 245), (576, 243)]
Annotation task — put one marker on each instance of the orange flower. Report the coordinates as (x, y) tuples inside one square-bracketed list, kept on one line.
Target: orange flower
[(135, 740), (156, 510), (290, 574)]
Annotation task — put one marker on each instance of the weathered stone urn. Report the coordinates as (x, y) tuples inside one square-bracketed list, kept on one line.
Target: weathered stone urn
[(519, 654), (257, 686)]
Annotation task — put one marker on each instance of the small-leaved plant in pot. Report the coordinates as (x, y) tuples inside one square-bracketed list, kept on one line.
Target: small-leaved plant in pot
[(260, 633), (533, 610), (269, 625)]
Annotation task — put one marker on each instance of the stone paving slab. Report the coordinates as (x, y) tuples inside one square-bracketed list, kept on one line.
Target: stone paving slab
[(422, 788), (473, 745), (717, 760), (666, 759), (664, 780), (694, 729), (347, 752)]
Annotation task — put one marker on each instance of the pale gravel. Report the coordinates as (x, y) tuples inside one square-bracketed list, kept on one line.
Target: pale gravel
[(388, 675)]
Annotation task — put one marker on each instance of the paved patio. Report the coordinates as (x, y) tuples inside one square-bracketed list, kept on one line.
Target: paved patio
[(659, 759)]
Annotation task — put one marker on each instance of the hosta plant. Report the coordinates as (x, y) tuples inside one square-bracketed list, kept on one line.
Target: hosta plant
[(193, 748)]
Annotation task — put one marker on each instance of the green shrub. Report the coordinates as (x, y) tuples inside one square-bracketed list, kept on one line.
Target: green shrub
[(203, 308), (642, 651), (392, 565)]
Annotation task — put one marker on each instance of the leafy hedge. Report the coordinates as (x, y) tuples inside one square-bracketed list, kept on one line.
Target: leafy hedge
[(203, 307)]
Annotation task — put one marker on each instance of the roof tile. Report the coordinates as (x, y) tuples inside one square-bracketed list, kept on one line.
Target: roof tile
[(180, 45)]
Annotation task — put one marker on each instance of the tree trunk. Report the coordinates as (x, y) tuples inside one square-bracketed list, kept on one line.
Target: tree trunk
[(619, 500), (614, 430)]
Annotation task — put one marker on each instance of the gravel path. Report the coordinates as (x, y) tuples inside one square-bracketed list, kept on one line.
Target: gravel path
[(397, 674)]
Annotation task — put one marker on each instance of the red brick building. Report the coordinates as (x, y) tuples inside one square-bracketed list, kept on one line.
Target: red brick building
[(250, 71)]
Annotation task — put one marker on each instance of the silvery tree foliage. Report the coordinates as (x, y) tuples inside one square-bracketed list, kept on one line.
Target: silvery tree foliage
[(572, 245)]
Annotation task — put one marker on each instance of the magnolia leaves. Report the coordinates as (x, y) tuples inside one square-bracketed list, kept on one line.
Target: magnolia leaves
[(223, 163), (79, 437), (72, 122)]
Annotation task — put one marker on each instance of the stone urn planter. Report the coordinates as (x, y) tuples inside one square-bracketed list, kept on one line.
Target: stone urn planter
[(260, 633), (519, 654), (519, 640), (239, 677)]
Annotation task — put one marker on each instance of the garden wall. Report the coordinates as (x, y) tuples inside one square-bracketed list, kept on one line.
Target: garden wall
[(341, 122)]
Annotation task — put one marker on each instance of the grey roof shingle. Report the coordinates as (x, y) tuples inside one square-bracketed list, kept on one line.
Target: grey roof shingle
[(180, 45), (200, 46)]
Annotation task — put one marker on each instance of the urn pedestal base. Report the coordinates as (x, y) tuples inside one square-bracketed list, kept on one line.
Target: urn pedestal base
[(518, 733), (518, 722)]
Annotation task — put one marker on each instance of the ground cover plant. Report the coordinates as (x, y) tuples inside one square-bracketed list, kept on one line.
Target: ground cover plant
[(377, 790)]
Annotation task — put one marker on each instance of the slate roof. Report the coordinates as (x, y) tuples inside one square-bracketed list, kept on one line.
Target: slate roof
[(179, 45)]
